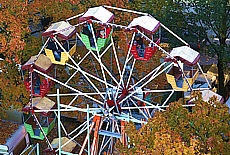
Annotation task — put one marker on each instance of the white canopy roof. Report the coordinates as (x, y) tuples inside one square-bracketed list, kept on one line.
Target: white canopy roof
[(206, 94), (67, 148), (147, 23), (63, 29), (228, 104), (98, 13), (186, 55), (41, 62)]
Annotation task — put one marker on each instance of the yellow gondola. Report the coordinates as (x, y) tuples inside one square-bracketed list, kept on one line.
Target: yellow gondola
[(64, 56), (175, 78)]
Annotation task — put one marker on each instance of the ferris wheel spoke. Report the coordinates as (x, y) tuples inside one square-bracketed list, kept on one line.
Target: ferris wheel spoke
[(103, 66), (83, 125), (116, 59), (93, 63), (71, 77), (103, 72), (87, 78), (63, 128), (130, 73), (107, 142), (98, 56), (121, 82), (72, 101), (139, 109), (82, 59), (107, 48), (126, 62), (67, 86)]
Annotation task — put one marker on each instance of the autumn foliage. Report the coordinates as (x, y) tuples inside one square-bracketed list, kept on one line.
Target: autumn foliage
[(17, 44), (204, 129)]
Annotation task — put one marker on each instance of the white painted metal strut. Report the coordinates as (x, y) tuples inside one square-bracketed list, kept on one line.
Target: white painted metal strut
[(125, 10), (99, 61), (135, 91), (124, 68), (115, 55), (67, 86), (130, 73), (79, 68)]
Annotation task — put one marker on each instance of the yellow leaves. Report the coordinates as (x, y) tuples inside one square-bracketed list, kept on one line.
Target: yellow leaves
[(177, 131), (166, 144)]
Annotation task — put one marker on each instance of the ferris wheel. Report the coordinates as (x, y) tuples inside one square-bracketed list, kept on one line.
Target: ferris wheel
[(107, 74)]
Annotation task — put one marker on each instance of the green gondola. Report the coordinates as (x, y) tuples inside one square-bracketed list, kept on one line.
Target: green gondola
[(101, 42), (38, 125), (34, 131)]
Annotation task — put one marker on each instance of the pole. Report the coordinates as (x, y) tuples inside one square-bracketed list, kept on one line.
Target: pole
[(59, 122), (88, 132), (37, 148)]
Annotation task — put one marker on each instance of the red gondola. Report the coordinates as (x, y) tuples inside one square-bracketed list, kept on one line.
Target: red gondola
[(148, 52), (147, 25), (34, 83)]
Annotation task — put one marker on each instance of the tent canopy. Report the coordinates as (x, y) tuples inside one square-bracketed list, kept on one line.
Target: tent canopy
[(228, 104), (42, 63), (97, 13), (185, 54), (207, 94), (145, 23), (63, 29)]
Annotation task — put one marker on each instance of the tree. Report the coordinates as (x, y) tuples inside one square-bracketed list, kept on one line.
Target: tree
[(189, 20), (218, 22), (17, 43), (203, 130), (13, 29)]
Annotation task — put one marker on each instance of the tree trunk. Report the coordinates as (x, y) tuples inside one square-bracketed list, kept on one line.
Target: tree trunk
[(221, 89)]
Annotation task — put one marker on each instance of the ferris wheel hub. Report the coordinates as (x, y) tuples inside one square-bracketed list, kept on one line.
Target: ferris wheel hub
[(125, 92)]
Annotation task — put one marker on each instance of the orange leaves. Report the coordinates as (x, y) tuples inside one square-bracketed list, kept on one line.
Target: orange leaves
[(204, 130), (13, 25), (5, 126)]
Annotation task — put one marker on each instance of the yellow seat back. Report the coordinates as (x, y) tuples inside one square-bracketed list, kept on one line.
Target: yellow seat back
[(171, 80), (72, 50), (49, 54), (64, 56)]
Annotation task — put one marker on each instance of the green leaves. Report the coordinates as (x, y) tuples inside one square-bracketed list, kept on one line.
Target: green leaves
[(204, 130)]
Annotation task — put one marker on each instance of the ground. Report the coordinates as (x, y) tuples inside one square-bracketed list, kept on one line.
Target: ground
[(69, 126), (7, 128)]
